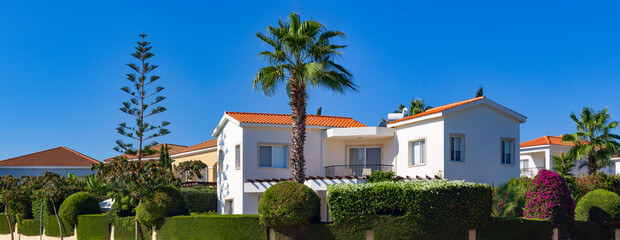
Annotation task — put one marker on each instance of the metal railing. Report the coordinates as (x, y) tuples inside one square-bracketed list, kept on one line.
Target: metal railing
[(355, 170), (530, 172)]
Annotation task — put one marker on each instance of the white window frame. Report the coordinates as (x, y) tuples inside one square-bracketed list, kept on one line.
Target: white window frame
[(461, 150), (238, 156), (288, 154), (511, 145), (424, 151), (364, 147)]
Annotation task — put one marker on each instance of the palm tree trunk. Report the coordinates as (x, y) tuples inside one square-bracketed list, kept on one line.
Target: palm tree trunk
[(298, 107), (8, 219), (591, 164)]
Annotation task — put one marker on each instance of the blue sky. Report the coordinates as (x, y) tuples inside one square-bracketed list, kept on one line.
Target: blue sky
[(62, 63)]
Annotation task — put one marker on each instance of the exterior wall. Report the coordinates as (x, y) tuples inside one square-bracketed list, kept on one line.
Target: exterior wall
[(229, 180), (209, 158), (431, 130), (18, 172), (337, 150), (483, 129)]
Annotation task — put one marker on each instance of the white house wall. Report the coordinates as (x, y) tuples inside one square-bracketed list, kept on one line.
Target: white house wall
[(483, 129), (432, 131), (229, 180)]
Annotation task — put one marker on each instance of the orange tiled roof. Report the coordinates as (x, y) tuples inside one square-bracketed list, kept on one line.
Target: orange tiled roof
[(546, 140), (437, 109), (60, 156), (172, 148), (208, 144), (285, 119)]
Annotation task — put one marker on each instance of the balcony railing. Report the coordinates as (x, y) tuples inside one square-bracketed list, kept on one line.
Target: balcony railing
[(530, 172), (355, 170)]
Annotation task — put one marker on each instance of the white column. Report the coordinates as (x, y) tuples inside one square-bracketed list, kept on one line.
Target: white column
[(548, 159)]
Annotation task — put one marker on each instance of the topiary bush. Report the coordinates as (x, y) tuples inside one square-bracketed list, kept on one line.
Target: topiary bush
[(598, 206), (288, 204), (200, 200), (165, 202), (78, 204), (549, 198)]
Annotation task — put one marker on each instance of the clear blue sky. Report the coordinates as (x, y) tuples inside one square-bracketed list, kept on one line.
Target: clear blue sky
[(62, 63)]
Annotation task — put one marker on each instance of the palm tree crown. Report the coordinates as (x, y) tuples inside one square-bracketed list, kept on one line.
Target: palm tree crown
[(302, 57), (593, 139)]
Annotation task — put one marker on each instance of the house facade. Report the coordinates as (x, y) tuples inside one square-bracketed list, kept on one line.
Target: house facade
[(472, 140), (61, 160)]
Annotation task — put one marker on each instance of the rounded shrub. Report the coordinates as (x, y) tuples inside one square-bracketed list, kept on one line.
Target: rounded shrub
[(599, 206), (78, 204), (288, 204), (165, 202), (549, 198)]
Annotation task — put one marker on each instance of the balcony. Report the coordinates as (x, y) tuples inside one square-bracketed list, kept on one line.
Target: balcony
[(530, 172), (355, 170)]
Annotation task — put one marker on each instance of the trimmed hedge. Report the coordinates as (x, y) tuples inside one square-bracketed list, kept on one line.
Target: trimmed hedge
[(52, 230), (211, 226), (436, 201), (29, 227), (124, 228), (516, 229), (93, 227), (200, 200), (590, 230), (598, 206), (288, 204), (78, 204), (4, 225)]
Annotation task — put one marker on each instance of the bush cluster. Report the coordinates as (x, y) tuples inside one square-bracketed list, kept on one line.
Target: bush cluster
[(165, 202), (200, 200), (78, 204), (598, 206), (436, 201), (288, 204)]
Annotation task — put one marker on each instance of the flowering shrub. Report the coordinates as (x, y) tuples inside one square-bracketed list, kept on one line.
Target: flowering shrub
[(549, 198)]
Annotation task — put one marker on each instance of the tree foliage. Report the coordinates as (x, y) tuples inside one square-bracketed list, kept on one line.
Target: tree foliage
[(563, 165), (191, 168)]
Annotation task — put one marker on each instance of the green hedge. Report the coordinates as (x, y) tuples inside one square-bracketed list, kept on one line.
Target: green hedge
[(590, 230), (212, 226), (437, 201), (79, 203), (52, 230), (124, 228), (516, 228), (93, 227), (29, 227), (4, 225), (200, 200)]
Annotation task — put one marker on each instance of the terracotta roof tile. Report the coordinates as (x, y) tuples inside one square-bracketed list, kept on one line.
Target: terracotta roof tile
[(285, 119), (546, 140), (437, 110), (172, 148), (60, 156), (207, 144)]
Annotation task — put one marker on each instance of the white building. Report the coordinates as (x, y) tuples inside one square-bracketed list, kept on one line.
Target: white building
[(472, 140), (537, 154)]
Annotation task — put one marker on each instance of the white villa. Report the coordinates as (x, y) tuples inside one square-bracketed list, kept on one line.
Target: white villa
[(472, 140), (537, 154)]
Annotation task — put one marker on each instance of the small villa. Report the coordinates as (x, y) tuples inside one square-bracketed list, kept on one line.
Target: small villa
[(473, 140), (60, 160)]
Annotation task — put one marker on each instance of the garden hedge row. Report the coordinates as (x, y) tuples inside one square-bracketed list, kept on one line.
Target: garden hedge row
[(52, 230), (213, 226), (124, 228), (93, 227), (437, 201), (200, 200), (29, 227)]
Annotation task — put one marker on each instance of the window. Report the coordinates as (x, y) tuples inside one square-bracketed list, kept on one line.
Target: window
[(273, 156), (417, 152), (238, 157), (456, 149), (220, 161), (365, 156), (228, 206), (507, 151), (205, 175)]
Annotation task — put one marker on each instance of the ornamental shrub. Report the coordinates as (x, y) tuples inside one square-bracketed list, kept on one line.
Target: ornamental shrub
[(165, 202), (435, 201), (549, 198), (78, 204), (288, 204), (379, 176), (200, 200), (509, 199), (598, 206)]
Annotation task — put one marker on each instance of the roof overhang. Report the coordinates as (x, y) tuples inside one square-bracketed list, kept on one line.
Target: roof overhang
[(198, 151), (542, 148), (360, 133), (222, 123)]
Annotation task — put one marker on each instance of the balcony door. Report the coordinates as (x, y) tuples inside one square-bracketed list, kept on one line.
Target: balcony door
[(364, 158)]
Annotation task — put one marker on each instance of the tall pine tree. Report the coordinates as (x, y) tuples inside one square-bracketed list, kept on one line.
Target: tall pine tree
[(142, 104)]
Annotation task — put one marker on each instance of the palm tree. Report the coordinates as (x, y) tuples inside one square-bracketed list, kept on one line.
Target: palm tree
[(593, 139), (563, 164), (302, 57), (418, 106)]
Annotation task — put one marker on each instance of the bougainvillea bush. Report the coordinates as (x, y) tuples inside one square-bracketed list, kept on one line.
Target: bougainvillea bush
[(549, 198)]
